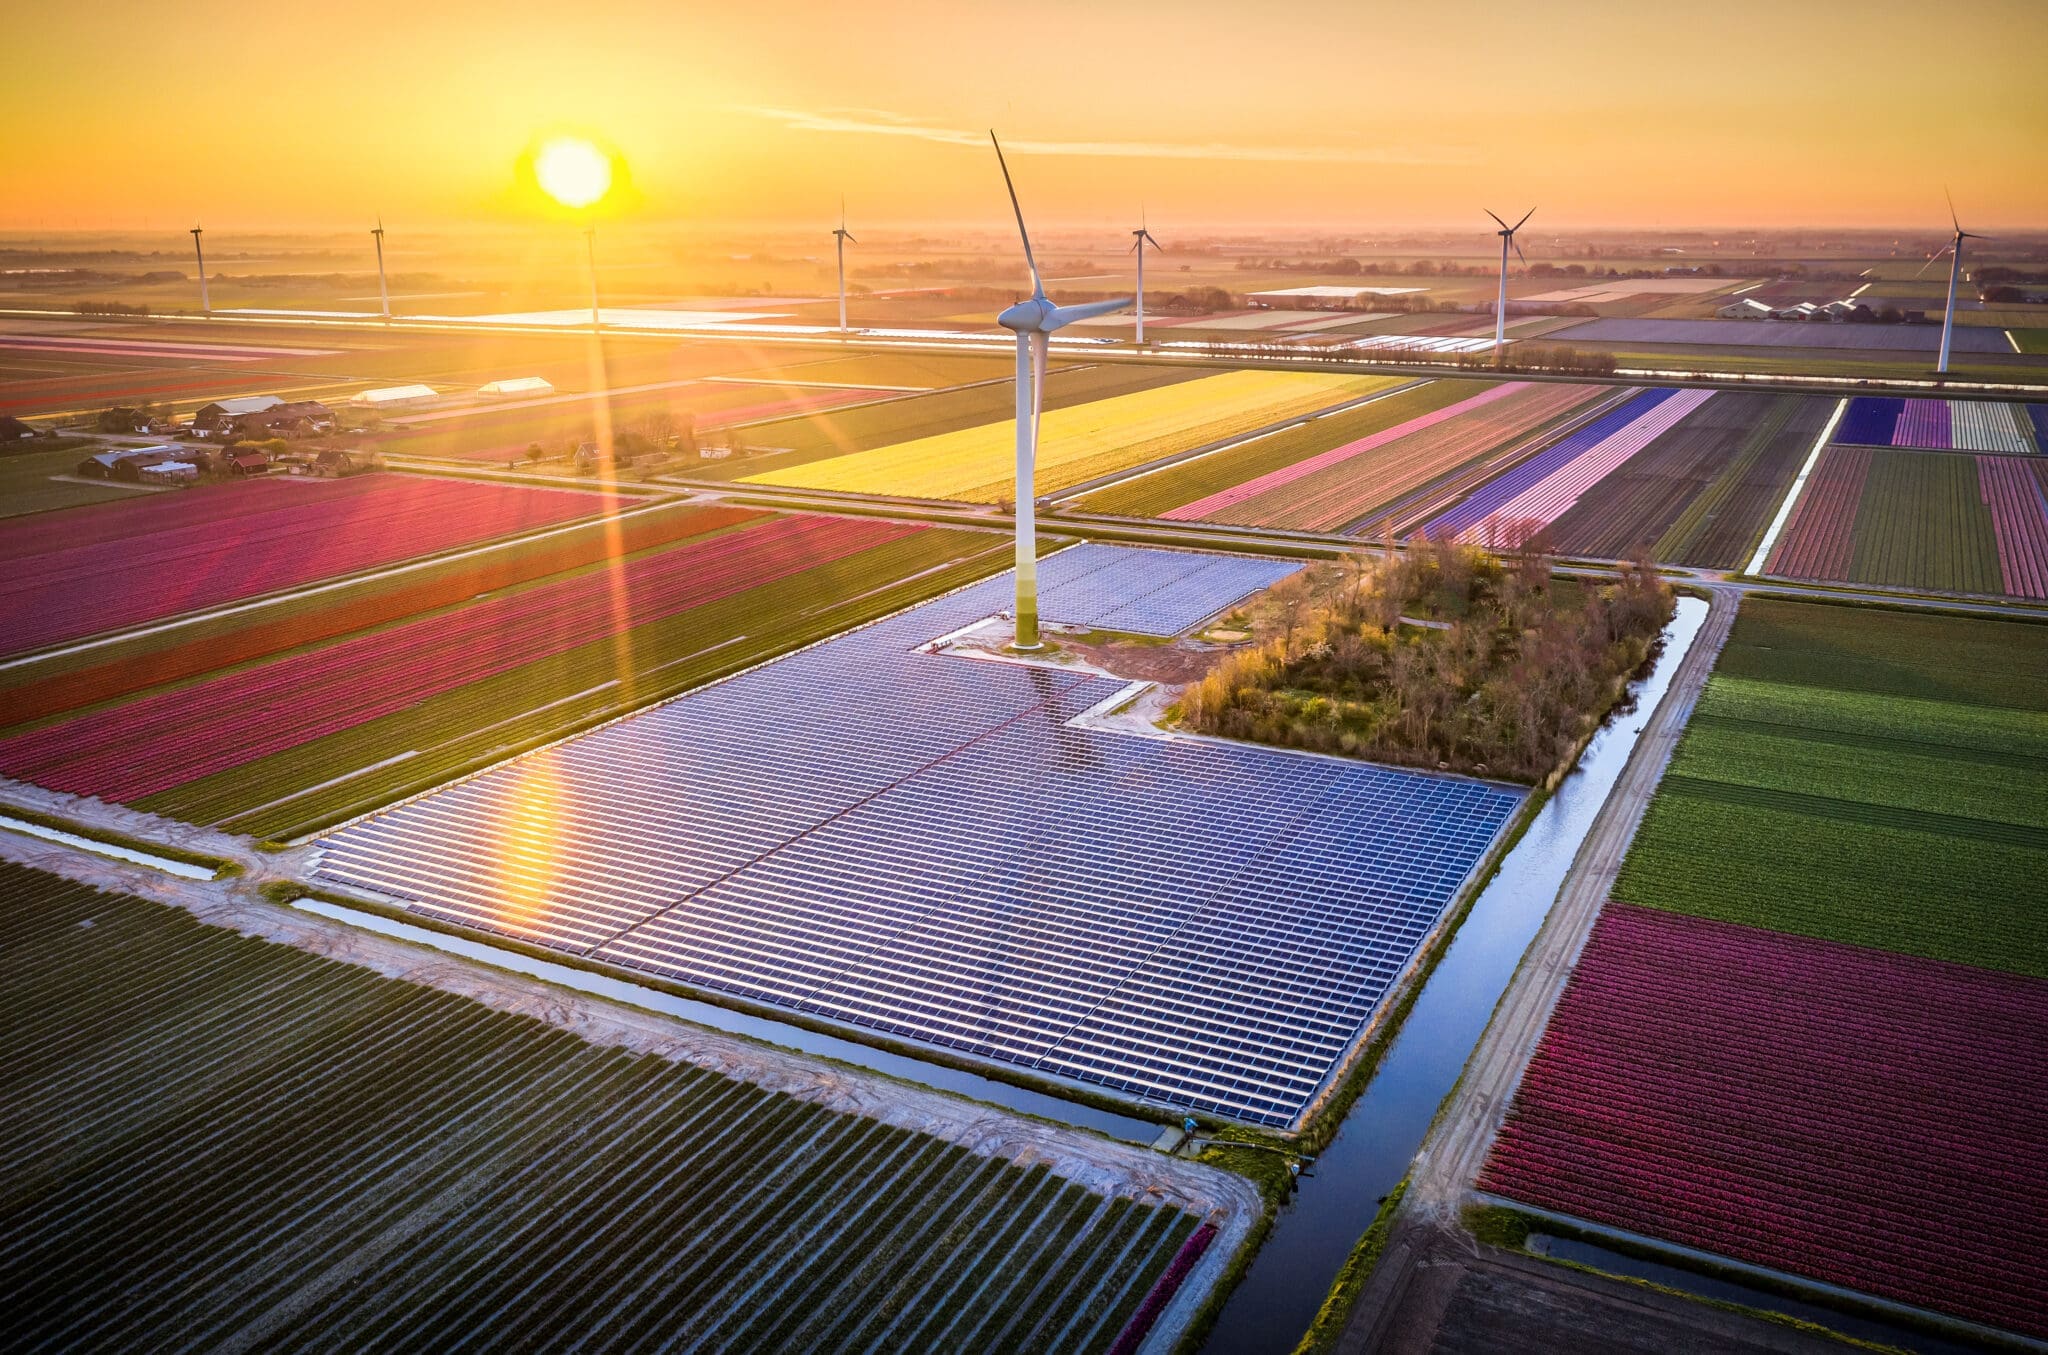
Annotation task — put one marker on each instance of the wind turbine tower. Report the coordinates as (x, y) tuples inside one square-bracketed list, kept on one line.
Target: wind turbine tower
[(1033, 321), (590, 250), (1141, 238), (205, 305), (1500, 310), (1955, 277), (840, 239), (383, 290)]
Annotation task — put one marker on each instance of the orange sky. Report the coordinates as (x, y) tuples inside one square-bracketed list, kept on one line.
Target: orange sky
[(1356, 114)]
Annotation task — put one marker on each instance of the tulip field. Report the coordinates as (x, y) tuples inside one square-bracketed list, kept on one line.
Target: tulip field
[(1701, 493), (1811, 1031), (1869, 1120), (1939, 425), (62, 683), (1080, 442), (1934, 521), (1846, 767), (285, 744), (1367, 470), (787, 443), (215, 1141), (1543, 488), (80, 571)]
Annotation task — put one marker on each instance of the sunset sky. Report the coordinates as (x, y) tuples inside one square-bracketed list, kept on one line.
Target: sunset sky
[(1785, 112)]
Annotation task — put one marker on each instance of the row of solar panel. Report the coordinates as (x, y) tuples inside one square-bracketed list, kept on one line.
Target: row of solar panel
[(922, 844)]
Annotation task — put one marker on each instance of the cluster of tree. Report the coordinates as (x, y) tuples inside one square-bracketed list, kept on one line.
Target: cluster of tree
[(1999, 273), (1443, 656), (1350, 267), (128, 418), (107, 308), (1544, 357), (1579, 270)]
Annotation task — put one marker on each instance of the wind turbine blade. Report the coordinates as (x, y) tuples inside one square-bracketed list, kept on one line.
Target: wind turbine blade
[(1953, 220), (1518, 250), (1524, 221), (1062, 316), (1154, 243), (1933, 259), (1037, 287), (849, 238), (1503, 225)]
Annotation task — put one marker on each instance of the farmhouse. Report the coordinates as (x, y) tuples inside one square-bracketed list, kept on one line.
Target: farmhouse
[(217, 418), (124, 463), (245, 463), (289, 419), (13, 429)]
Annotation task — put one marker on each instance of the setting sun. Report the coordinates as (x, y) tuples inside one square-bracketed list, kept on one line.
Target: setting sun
[(573, 172)]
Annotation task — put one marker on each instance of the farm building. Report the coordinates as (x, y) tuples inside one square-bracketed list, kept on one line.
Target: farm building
[(219, 417), (246, 463), (13, 429), (1325, 298), (1749, 308), (394, 397), (170, 473), (290, 419), (517, 385), (125, 463)]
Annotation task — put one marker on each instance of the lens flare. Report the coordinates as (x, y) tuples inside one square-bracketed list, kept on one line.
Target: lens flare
[(572, 171)]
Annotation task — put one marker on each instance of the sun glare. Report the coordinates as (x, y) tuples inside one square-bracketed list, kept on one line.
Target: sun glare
[(572, 171)]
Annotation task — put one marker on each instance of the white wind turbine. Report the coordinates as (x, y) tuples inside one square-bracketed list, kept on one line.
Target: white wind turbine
[(1034, 322), (1500, 310), (1140, 238), (383, 291), (840, 239), (205, 305), (1954, 249)]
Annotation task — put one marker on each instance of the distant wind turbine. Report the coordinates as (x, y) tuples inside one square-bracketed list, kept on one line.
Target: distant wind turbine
[(205, 305), (1140, 238), (840, 239), (590, 249), (383, 291), (1034, 322), (1954, 249), (1500, 310)]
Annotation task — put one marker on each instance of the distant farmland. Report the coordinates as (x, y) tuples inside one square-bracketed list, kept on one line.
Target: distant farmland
[(291, 1151)]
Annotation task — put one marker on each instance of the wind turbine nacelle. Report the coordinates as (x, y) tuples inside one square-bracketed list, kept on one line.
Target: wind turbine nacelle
[(1029, 317)]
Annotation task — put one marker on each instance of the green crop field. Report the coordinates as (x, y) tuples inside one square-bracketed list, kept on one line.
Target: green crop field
[(1923, 523), (794, 442), (214, 1141), (1160, 491), (26, 486), (1873, 777), (1078, 443)]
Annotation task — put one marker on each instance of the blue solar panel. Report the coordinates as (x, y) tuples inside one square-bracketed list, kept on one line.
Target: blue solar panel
[(927, 845), (1148, 592)]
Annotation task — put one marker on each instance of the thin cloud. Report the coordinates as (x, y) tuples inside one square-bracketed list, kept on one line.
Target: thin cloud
[(876, 122)]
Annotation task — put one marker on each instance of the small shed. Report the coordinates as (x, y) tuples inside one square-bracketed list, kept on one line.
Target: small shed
[(245, 463)]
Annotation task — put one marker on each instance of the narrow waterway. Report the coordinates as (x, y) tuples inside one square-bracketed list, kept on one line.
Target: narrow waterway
[(1044, 1105), (1337, 1200)]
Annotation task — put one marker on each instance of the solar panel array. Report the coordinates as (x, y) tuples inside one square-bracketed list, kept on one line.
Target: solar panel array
[(922, 844), (1148, 592)]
